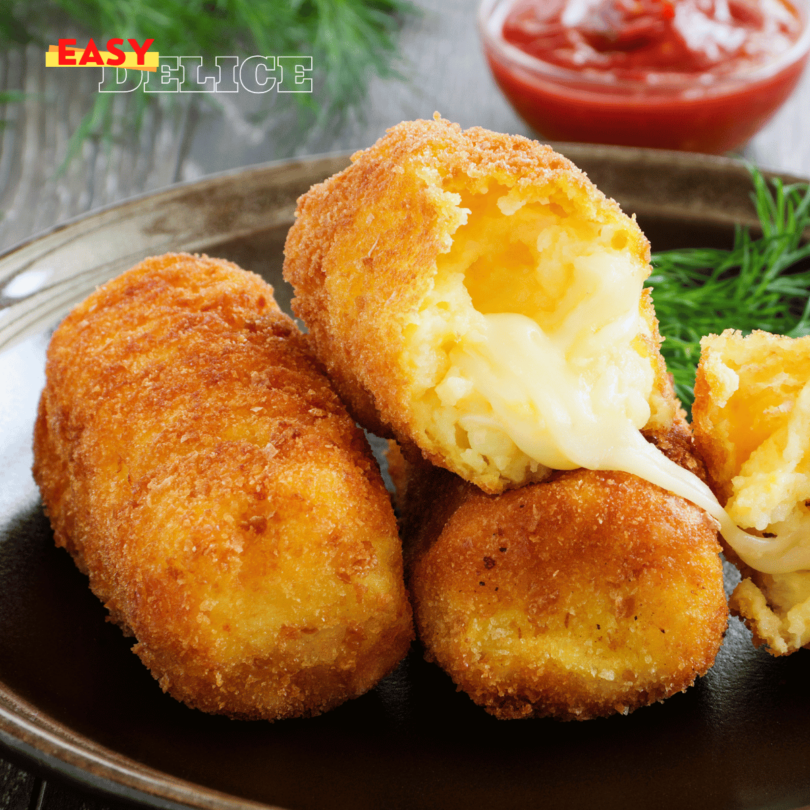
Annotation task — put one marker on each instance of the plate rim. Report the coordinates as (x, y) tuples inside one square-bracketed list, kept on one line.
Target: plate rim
[(628, 153), (77, 758), (167, 192)]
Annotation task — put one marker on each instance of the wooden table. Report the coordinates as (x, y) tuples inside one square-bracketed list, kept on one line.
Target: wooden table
[(187, 137)]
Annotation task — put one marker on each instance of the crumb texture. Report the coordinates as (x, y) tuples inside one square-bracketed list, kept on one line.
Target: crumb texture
[(587, 595), (228, 512)]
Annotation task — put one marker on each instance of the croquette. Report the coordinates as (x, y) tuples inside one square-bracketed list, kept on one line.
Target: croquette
[(476, 297), (752, 425), (201, 471), (586, 595)]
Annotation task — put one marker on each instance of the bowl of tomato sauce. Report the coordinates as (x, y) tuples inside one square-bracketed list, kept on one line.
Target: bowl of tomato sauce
[(694, 75)]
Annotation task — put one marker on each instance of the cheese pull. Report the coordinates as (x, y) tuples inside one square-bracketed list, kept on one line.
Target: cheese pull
[(566, 408), (436, 245), (781, 554), (476, 297)]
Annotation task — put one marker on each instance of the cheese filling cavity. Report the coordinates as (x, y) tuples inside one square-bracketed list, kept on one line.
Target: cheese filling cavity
[(529, 355)]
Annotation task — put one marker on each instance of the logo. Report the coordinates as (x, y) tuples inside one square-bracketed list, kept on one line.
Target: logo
[(139, 58), (182, 74)]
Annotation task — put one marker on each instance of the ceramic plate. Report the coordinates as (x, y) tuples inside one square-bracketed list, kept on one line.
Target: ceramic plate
[(75, 701)]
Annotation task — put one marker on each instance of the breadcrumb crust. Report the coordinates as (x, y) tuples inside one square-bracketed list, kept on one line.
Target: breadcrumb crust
[(199, 468), (591, 594)]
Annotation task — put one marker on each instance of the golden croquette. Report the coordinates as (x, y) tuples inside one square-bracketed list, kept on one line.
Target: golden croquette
[(229, 514), (405, 264), (752, 425), (586, 595)]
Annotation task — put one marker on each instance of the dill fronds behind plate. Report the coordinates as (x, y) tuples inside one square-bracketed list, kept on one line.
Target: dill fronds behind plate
[(761, 283), (350, 41)]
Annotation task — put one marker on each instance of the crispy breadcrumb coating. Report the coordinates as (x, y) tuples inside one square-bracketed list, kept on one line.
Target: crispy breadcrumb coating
[(590, 594), (752, 424), (399, 261), (229, 514)]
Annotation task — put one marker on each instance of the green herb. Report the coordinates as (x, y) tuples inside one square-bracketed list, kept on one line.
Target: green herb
[(755, 285), (350, 40), (10, 97)]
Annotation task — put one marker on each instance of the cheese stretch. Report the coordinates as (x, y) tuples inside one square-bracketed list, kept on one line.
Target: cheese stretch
[(574, 394)]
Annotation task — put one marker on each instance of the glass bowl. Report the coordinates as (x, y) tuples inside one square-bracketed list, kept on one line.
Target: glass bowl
[(693, 112)]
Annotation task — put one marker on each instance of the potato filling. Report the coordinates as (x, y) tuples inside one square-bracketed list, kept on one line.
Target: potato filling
[(779, 605), (528, 349), (759, 382)]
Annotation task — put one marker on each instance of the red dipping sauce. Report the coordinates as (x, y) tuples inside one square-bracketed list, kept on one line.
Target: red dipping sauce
[(700, 75)]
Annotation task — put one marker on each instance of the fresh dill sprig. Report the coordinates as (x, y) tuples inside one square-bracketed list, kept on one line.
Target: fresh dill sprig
[(350, 40), (755, 285)]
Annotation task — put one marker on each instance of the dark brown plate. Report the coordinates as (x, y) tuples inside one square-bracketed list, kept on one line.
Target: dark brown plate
[(75, 701)]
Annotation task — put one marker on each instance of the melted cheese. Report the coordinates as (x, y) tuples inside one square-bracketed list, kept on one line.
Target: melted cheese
[(575, 395)]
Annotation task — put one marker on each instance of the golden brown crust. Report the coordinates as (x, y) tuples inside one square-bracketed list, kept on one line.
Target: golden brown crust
[(200, 469), (362, 257), (666, 409), (587, 595), (676, 442), (707, 442), (710, 450)]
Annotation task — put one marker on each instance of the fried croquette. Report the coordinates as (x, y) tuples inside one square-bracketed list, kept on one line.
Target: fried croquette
[(200, 469), (476, 297), (752, 425), (590, 594)]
